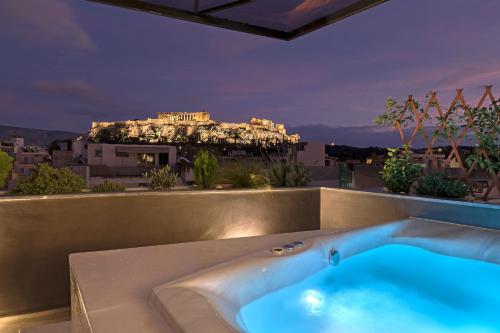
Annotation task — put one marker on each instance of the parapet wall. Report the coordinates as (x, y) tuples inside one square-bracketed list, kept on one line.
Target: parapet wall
[(38, 233), (348, 209)]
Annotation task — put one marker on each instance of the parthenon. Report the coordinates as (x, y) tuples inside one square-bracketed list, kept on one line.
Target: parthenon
[(175, 117)]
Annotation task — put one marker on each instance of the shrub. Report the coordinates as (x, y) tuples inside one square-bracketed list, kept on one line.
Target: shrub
[(107, 186), (205, 169), (290, 174), (441, 186), (486, 126), (244, 175), (5, 167), (48, 180), (257, 180), (399, 172), (161, 179)]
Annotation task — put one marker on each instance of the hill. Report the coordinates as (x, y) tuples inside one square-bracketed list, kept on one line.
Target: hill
[(356, 136), (33, 136)]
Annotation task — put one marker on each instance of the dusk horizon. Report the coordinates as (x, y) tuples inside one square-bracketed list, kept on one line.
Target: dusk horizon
[(100, 63)]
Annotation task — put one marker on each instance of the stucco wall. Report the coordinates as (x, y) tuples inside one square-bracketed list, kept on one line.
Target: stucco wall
[(313, 154), (38, 234), (347, 209)]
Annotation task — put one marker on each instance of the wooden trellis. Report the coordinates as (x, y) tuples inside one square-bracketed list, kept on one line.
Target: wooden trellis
[(458, 104)]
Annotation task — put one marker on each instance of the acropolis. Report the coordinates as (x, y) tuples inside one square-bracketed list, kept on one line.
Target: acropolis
[(193, 127)]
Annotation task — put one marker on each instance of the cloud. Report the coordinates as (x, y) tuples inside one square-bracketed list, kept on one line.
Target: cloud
[(44, 22), (70, 88), (480, 77)]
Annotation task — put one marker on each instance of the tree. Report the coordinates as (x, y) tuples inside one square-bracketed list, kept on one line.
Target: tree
[(48, 180), (486, 126), (5, 167), (289, 174), (205, 169)]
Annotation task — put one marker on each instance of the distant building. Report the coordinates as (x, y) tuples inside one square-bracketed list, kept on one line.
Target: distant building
[(431, 163), (125, 163), (179, 117), (12, 145), (63, 158), (130, 156), (268, 124), (313, 154), (27, 157), (323, 168)]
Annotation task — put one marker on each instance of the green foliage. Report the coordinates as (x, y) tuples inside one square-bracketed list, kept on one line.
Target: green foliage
[(161, 179), (205, 169), (449, 125), (5, 167), (108, 186), (486, 125), (441, 186), (290, 174), (48, 180), (258, 180), (244, 175), (399, 172), (114, 134), (395, 112)]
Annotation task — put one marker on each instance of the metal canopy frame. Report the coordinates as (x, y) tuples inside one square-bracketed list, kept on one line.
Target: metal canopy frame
[(204, 16)]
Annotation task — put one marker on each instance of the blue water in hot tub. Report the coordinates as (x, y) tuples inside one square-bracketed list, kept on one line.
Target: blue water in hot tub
[(394, 288)]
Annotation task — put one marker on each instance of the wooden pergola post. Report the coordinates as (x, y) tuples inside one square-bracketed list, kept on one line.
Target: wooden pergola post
[(458, 102)]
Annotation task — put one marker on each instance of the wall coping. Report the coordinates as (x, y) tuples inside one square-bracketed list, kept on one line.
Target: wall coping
[(239, 191), (150, 193), (415, 198)]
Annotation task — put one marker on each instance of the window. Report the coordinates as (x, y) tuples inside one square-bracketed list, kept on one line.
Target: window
[(121, 154), (163, 158), (98, 152), (26, 172), (146, 158)]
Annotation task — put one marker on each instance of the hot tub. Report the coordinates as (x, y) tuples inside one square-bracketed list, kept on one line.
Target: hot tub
[(412, 275)]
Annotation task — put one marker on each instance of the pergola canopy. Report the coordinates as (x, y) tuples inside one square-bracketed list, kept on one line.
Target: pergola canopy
[(282, 19)]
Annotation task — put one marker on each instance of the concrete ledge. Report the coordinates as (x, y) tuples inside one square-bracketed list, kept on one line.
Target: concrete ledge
[(146, 268), (38, 233), (348, 208), (197, 312), (62, 327)]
